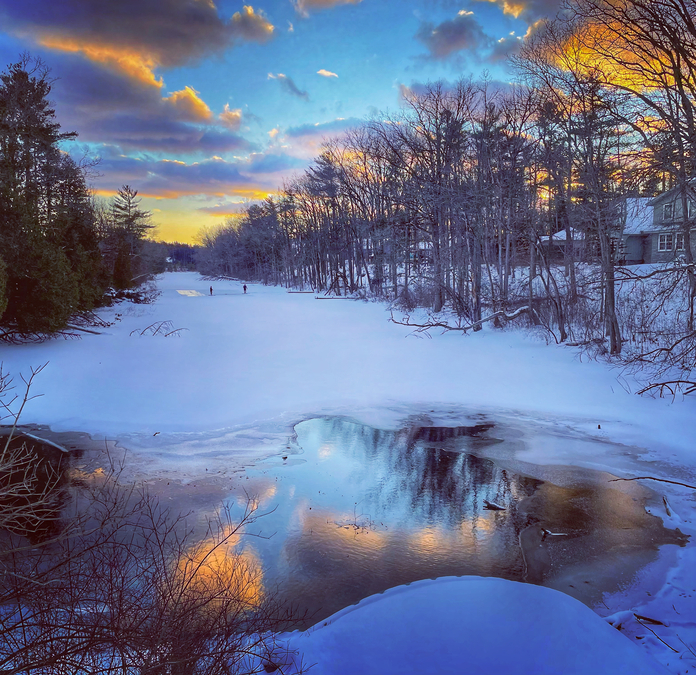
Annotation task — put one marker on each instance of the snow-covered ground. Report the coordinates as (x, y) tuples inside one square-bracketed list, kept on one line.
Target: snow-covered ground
[(245, 367)]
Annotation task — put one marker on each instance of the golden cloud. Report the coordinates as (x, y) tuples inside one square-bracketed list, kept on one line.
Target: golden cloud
[(166, 36), (189, 105), (231, 118), (601, 51), (326, 73), (510, 6), (136, 65), (252, 26)]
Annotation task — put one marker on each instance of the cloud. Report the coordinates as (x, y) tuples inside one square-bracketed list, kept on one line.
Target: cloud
[(304, 7), (505, 48), (529, 11), (268, 163), (189, 106), (159, 134), (326, 73), (305, 141), (455, 35), (252, 26), (334, 127), (231, 118), (416, 89), (131, 36), (225, 209), (165, 178), (109, 107), (289, 86)]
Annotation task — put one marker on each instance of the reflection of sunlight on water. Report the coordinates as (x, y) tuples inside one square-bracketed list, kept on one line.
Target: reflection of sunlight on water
[(326, 450), (427, 540), (486, 523), (85, 476), (366, 509), (341, 529)]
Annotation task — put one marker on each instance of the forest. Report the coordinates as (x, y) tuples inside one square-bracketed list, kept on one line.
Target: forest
[(63, 251), (491, 201)]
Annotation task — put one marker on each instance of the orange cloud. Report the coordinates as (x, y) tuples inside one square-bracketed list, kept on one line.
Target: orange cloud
[(189, 105), (512, 8), (326, 73), (136, 65), (164, 34), (231, 118), (252, 26), (618, 60)]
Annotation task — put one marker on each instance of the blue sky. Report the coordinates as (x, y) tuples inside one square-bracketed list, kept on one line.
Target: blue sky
[(203, 106)]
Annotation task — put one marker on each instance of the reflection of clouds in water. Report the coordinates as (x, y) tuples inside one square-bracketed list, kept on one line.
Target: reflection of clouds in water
[(369, 509), (214, 568), (78, 474)]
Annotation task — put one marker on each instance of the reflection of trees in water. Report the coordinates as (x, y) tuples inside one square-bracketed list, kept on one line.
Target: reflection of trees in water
[(440, 485)]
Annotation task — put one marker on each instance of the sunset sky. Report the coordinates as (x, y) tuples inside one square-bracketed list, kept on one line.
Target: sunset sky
[(202, 106)]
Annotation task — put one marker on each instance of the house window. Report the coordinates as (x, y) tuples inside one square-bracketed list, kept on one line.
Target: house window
[(668, 212), (665, 242), (679, 242), (692, 209)]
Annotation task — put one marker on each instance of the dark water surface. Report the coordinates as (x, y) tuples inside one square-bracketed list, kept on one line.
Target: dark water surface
[(359, 510), (354, 510)]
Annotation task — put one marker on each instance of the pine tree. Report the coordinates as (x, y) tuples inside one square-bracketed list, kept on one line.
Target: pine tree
[(47, 241)]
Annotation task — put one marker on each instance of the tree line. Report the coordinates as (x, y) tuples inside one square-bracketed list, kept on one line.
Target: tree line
[(484, 199), (61, 249)]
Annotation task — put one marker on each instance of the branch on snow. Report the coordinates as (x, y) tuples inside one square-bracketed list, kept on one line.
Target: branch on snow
[(476, 325), (624, 274), (674, 387)]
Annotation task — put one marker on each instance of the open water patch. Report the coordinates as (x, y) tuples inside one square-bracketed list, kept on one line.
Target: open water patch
[(354, 510)]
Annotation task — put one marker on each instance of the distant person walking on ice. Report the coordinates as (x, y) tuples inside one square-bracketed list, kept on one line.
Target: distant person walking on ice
[(245, 288), (211, 290)]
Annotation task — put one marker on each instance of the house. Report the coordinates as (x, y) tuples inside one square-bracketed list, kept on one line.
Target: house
[(557, 244), (653, 229)]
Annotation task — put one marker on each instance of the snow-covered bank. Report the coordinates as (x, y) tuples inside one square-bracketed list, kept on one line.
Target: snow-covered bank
[(469, 625), (230, 386)]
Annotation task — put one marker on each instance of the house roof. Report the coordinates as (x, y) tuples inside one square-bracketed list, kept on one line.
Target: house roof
[(671, 193)]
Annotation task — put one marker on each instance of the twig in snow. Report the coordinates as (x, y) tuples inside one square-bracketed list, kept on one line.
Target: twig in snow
[(655, 634), (687, 646)]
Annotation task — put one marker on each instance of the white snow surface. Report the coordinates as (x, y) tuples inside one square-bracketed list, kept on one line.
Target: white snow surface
[(456, 625), (246, 367)]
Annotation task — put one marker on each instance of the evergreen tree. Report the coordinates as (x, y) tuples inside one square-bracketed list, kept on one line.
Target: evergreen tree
[(130, 225), (48, 241)]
